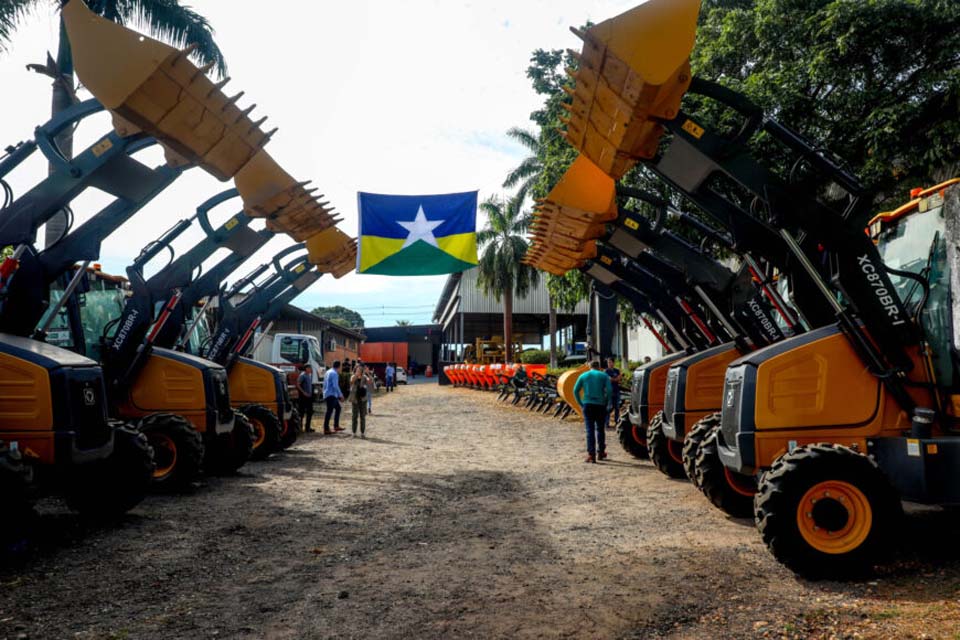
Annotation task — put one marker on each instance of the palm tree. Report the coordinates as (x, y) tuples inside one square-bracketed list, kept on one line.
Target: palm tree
[(504, 244), (403, 323), (168, 20), (528, 171)]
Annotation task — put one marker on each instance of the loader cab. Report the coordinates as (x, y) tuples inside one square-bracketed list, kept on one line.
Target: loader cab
[(917, 240)]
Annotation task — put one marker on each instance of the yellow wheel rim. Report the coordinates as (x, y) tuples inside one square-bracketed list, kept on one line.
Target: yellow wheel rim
[(259, 433), (164, 454), (834, 517), (743, 485)]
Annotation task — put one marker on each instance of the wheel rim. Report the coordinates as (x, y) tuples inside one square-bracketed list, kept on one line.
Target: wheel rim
[(164, 454), (834, 517), (675, 449), (745, 486), (259, 433), (637, 437)]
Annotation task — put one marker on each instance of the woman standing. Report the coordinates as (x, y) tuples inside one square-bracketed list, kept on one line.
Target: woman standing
[(359, 383)]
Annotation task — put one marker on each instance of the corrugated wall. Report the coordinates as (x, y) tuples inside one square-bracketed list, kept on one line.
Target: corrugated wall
[(474, 301)]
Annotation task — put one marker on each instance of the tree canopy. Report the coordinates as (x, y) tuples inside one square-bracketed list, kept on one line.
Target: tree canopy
[(875, 82), (340, 315)]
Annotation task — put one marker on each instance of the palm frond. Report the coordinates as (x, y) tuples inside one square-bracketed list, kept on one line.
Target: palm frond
[(11, 13), (526, 169), (172, 22), (526, 138)]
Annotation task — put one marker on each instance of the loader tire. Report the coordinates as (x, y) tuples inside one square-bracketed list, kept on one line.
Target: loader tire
[(633, 439), (726, 489), (291, 430), (18, 514), (177, 451), (692, 441), (827, 512), (666, 454), (231, 451), (106, 489), (266, 430)]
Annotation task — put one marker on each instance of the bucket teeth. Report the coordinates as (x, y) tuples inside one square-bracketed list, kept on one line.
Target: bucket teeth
[(633, 71), (157, 89)]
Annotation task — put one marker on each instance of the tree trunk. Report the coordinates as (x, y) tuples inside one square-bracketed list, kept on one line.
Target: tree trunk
[(624, 342), (553, 332), (61, 100), (508, 325)]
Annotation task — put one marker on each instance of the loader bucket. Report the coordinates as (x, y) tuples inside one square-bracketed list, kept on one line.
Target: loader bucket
[(571, 217), (333, 252), (270, 192), (566, 383), (153, 87), (585, 190), (634, 68)]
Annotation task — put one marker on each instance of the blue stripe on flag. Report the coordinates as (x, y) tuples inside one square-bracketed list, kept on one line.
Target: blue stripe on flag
[(379, 213)]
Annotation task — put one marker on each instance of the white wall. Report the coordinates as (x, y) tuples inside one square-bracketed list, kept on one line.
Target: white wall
[(641, 343)]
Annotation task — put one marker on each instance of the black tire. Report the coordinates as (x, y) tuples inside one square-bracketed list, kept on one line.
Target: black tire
[(231, 450), (107, 489), (859, 490), (726, 489), (266, 430), (665, 454), (691, 444), (177, 450), (291, 430), (633, 439), (18, 514)]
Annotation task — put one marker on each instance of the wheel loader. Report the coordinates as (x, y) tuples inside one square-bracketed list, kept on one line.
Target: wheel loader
[(53, 403), (845, 420)]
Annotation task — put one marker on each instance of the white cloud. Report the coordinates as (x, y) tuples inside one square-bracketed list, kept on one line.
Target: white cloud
[(395, 97)]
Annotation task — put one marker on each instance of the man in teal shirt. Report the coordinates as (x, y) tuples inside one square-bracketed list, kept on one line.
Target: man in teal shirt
[(597, 390)]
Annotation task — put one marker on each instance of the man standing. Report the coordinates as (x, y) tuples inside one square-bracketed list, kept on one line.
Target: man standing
[(597, 391), (614, 374), (305, 398), (332, 397), (390, 372)]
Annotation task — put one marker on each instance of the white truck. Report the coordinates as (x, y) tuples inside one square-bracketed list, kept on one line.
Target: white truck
[(291, 352)]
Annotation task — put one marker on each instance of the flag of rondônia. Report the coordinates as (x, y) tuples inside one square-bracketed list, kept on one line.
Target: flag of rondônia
[(417, 235)]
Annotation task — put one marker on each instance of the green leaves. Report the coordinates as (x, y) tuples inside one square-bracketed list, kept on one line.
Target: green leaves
[(875, 81), (502, 247)]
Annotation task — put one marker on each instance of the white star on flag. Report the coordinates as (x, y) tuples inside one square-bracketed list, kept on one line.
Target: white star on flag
[(420, 229)]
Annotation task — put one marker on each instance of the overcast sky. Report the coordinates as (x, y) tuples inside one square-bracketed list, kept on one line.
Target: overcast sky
[(392, 97)]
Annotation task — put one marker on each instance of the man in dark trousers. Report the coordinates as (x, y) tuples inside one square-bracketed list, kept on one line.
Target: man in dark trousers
[(614, 374), (305, 397), (332, 397), (596, 389)]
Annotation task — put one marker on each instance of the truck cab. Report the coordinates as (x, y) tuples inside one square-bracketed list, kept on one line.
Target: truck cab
[(291, 352)]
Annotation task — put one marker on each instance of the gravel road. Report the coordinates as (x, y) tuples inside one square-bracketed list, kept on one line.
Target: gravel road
[(457, 517)]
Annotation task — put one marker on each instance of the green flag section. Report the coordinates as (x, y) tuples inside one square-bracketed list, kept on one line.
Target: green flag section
[(417, 235), (419, 259)]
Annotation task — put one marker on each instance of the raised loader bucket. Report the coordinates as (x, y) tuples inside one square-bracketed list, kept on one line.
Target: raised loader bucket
[(634, 68), (289, 206), (333, 252), (573, 214), (154, 87), (566, 383)]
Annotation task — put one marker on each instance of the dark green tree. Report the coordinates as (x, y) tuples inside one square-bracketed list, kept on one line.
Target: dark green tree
[(875, 82), (503, 245), (340, 315), (168, 20)]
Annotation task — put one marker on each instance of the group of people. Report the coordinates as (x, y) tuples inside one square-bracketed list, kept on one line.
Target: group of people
[(597, 392), (351, 380)]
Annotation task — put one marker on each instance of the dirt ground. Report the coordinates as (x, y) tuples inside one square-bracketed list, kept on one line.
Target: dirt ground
[(457, 517)]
